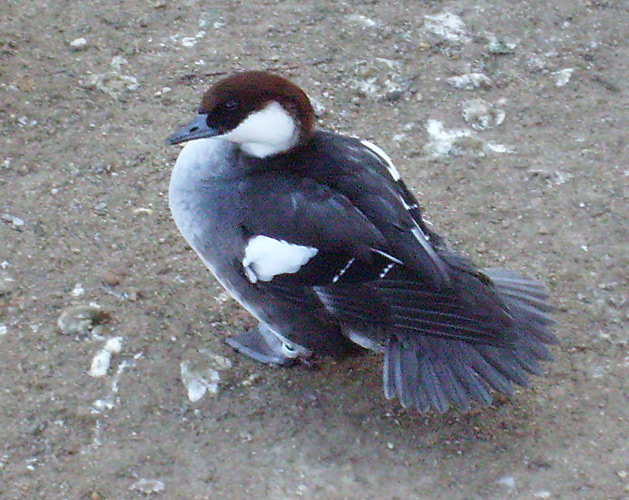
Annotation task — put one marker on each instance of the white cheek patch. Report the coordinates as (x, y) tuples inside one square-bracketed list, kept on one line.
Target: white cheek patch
[(384, 158), (266, 132), (267, 257)]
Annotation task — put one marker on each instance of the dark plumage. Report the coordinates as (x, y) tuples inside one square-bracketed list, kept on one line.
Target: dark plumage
[(316, 234)]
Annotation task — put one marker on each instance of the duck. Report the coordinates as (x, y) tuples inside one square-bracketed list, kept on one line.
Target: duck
[(317, 235)]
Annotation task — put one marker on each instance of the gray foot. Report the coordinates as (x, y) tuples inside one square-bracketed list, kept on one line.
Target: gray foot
[(261, 344)]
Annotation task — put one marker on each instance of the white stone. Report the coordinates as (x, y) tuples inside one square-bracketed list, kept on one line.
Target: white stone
[(563, 76), (448, 26), (78, 43)]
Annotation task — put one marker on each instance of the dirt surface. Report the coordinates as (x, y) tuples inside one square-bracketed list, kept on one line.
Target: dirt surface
[(525, 167)]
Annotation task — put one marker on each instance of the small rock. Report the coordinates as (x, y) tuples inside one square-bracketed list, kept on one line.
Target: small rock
[(377, 78), (7, 284), (113, 84), (216, 361), (442, 141), (200, 374), (198, 383), (102, 360), (81, 319), (494, 147), (363, 21), (563, 76), (508, 481), (542, 494), (78, 43), (16, 222), (100, 208), (100, 364), (448, 26), (110, 278), (470, 81), (250, 380), (78, 290), (148, 486), (500, 47), (482, 115)]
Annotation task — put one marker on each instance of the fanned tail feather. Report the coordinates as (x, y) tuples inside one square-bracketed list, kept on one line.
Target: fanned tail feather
[(426, 371)]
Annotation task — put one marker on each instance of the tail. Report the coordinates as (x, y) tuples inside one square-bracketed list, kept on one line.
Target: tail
[(436, 372)]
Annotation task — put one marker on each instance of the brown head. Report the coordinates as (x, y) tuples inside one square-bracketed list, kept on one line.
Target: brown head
[(264, 113)]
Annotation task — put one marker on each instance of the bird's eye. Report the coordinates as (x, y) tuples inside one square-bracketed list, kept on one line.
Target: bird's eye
[(232, 105)]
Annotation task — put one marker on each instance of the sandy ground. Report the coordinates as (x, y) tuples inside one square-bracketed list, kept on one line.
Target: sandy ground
[(525, 166)]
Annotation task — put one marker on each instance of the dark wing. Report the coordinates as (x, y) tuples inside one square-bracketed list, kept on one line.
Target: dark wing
[(316, 238), (304, 215), (449, 332), (363, 174)]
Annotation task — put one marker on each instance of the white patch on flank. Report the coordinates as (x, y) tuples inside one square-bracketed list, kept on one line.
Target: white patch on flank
[(267, 257), (383, 157), (267, 132)]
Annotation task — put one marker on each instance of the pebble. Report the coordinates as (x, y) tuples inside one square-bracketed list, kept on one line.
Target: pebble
[(250, 380), (563, 76), (113, 84), (199, 383), (78, 43), (16, 222), (102, 360), (201, 375), (448, 26), (377, 78), (482, 115), (110, 278), (363, 20), (78, 290), (80, 319), (500, 47), (148, 486), (441, 140), (470, 81), (7, 284), (508, 481)]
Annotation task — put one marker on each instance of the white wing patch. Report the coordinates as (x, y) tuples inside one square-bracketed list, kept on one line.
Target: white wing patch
[(267, 257), (383, 157)]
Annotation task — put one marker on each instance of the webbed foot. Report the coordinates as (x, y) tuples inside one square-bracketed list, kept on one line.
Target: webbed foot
[(263, 345)]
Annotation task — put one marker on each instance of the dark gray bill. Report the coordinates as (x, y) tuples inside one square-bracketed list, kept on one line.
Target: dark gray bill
[(196, 129)]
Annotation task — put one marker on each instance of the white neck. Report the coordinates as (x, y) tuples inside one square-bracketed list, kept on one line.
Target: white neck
[(267, 132)]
